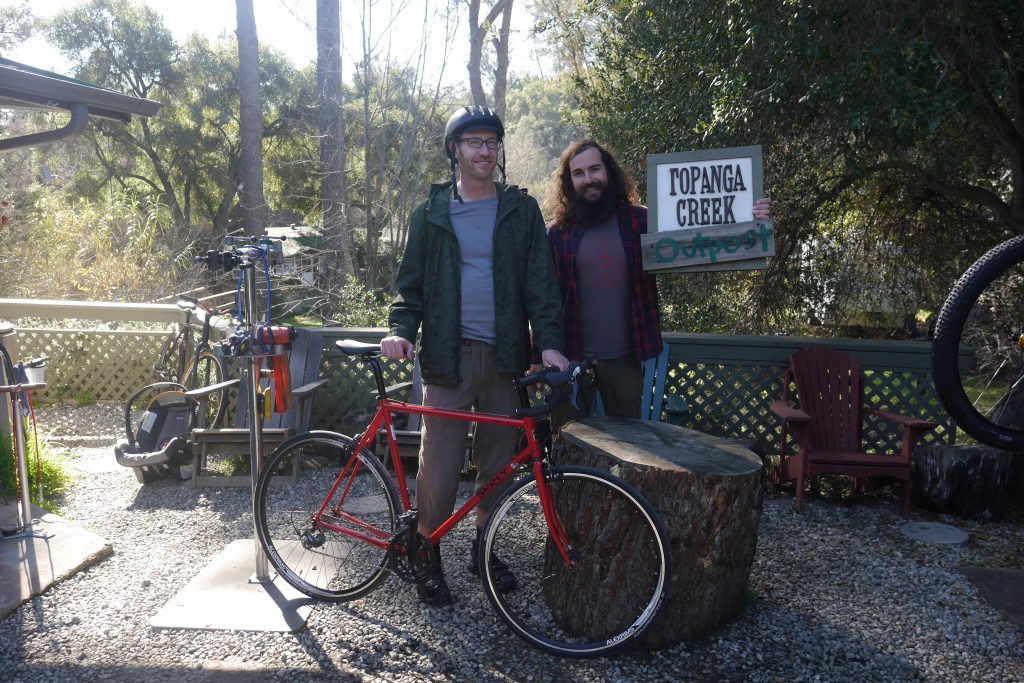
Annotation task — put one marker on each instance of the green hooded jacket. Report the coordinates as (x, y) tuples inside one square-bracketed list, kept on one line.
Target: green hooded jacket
[(526, 294)]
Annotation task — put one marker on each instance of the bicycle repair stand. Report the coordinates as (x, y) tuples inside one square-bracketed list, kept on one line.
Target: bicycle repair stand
[(37, 548), (228, 594), (26, 526)]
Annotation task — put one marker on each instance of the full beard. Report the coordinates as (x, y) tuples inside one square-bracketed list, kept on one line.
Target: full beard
[(591, 212)]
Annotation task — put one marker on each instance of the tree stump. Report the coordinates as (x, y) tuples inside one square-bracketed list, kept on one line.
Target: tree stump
[(967, 481), (708, 492)]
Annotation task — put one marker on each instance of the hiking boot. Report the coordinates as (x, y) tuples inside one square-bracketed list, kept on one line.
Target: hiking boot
[(503, 576), (433, 590)]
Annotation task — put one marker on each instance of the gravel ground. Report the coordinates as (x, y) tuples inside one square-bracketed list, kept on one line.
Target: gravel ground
[(838, 594)]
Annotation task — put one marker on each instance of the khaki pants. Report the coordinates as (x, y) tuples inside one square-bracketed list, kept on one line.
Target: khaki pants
[(621, 382), (443, 442)]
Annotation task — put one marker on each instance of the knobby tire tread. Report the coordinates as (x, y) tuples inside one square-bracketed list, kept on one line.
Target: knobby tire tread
[(947, 339)]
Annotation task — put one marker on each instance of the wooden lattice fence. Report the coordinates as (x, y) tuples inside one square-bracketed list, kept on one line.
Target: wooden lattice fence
[(93, 365), (727, 382)]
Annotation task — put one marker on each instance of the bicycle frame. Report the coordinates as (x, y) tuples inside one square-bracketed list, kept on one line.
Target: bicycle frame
[(384, 416), (181, 341)]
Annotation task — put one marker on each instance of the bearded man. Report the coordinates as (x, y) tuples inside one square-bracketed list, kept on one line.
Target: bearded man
[(609, 302)]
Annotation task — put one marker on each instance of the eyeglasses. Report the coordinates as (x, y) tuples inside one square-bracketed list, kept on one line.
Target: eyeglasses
[(477, 143)]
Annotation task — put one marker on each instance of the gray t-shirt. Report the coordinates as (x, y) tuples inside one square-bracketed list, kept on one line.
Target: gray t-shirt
[(474, 226), (604, 292)]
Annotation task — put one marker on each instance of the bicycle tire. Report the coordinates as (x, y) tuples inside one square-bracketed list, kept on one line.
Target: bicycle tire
[(169, 362), (623, 563), (318, 561), (985, 310), (205, 369)]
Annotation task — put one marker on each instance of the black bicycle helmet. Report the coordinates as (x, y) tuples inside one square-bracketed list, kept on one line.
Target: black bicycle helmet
[(472, 117)]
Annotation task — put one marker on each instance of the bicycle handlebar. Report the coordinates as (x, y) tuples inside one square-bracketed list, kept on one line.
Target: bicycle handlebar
[(556, 380), (550, 376)]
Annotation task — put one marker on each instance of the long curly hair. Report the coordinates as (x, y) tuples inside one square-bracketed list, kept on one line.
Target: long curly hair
[(561, 201)]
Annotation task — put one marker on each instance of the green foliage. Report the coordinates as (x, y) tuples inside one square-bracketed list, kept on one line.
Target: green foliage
[(56, 478), (889, 123), (120, 249), (16, 24), (355, 306), (84, 399), (187, 157), (539, 128)]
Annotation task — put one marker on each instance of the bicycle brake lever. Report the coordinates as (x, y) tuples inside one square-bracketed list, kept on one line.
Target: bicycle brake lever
[(574, 397)]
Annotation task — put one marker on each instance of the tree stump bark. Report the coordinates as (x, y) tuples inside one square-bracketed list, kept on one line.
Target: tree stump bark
[(708, 492), (967, 481)]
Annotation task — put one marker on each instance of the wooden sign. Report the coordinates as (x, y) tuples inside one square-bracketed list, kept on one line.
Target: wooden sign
[(700, 212)]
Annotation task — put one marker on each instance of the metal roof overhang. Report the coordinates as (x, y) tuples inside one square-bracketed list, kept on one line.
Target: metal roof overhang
[(23, 86)]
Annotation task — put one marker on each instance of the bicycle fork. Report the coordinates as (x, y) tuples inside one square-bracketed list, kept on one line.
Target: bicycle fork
[(555, 528)]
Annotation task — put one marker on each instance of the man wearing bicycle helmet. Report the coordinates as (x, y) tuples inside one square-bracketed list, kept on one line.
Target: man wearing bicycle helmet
[(609, 302), (476, 278)]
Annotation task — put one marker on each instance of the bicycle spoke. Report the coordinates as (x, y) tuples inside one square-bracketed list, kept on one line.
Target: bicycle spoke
[(621, 569), (321, 547)]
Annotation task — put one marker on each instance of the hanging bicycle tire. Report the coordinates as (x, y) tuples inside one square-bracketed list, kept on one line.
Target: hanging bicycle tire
[(306, 524), (622, 563), (985, 311)]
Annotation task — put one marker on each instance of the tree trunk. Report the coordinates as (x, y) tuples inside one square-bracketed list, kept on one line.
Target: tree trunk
[(478, 31), (337, 239), (252, 203), (967, 481), (708, 492), (501, 52), (371, 228)]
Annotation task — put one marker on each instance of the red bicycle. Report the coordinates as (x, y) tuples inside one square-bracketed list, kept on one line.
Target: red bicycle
[(590, 554)]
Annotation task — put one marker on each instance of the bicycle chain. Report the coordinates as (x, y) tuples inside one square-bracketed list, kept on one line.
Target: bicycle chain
[(407, 552)]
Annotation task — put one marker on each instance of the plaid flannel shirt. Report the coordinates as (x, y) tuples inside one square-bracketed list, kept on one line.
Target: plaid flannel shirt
[(644, 321)]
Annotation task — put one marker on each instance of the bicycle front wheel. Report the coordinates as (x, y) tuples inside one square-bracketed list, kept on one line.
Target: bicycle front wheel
[(205, 370), (314, 533), (985, 311), (621, 572)]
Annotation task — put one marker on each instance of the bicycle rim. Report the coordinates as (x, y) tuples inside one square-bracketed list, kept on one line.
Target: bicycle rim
[(205, 370), (985, 311), (320, 558), (622, 569)]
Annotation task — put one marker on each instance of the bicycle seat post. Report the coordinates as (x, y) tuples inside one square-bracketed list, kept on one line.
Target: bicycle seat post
[(378, 376)]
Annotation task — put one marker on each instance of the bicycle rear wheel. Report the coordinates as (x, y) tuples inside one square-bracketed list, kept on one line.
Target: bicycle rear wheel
[(622, 563), (985, 311), (205, 370), (319, 553)]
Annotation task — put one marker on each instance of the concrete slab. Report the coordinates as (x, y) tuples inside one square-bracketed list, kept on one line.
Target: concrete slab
[(225, 597), (1002, 587), (30, 564), (934, 532)]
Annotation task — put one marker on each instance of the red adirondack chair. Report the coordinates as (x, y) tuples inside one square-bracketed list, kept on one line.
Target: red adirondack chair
[(827, 426)]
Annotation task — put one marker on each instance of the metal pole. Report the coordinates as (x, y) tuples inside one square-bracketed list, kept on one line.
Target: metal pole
[(19, 448), (255, 413)]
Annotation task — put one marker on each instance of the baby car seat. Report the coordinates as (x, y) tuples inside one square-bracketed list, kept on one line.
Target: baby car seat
[(160, 445)]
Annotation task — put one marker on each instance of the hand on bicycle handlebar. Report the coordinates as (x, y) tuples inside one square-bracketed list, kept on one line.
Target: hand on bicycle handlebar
[(554, 358), (555, 379), (549, 359)]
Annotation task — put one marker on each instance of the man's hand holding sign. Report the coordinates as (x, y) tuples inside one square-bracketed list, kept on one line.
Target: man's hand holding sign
[(703, 212)]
